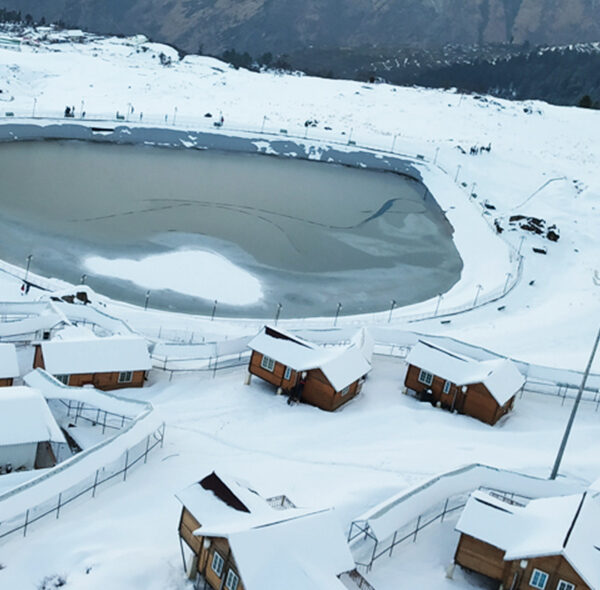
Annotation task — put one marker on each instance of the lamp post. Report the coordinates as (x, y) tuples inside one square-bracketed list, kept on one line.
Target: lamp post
[(146, 301), (214, 310), (391, 310), (27, 267), (565, 438), (277, 312), (479, 287), (337, 313)]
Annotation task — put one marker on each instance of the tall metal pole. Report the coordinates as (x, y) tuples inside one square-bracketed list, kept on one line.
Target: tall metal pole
[(27, 268), (565, 439), (279, 306), (147, 298), (214, 310), (391, 310), (337, 313), (437, 306)]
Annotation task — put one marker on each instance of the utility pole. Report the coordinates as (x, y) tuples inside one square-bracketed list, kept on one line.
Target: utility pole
[(565, 439)]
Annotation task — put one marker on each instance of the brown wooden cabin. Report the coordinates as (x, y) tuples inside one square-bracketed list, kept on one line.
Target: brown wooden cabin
[(514, 546), (243, 529), (325, 378), (9, 366), (109, 363), (482, 389)]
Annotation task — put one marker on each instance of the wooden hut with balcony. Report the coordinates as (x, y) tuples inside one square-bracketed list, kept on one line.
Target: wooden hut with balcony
[(326, 377), (231, 538), (79, 358), (548, 544), (485, 390)]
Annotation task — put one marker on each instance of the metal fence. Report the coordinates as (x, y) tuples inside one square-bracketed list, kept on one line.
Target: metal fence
[(87, 486)]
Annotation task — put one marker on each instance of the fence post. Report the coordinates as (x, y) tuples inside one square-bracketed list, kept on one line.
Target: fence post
[(26, 522), (417, 528), (147, 445), (393, 542), (126, 465), (95, 484), (58, 506), (444, 511)]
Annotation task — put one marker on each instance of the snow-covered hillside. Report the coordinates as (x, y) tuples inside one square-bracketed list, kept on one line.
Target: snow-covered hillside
[(543, 162)]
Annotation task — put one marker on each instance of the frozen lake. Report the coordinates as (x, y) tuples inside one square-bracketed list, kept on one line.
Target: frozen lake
[(306, 234)]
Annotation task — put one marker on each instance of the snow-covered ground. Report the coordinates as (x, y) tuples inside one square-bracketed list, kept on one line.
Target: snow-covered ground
[(378, 444), (382, 441)]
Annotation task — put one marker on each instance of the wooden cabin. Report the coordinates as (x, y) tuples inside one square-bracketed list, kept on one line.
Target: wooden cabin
[(9, 366), (113, 362), (485, 390), (29, 434), (548, 544), (324, 377), (233, 539)]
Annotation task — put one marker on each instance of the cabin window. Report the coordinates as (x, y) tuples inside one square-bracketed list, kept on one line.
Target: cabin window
[(425, 377), (125, 377), (267, 363), (447, 386), (564, 585), (345, 390), (287, 374), (232, 581), (64, 379), (217, 564), (539, 579)]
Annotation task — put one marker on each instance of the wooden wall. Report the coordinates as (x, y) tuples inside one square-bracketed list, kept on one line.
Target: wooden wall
[(319, 392), (556, 566), (274, 377), (477, 401), (480, 557), (488, 560), (188, 524), (6, 382)]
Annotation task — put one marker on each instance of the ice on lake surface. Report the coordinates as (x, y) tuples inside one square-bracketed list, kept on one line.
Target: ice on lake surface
[(312, 233)]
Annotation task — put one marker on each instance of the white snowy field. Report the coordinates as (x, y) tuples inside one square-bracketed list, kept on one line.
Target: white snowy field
[(544, 162), (378, 444)]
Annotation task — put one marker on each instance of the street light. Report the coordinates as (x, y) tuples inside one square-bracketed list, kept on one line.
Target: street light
[(391, 310), (337, 313), (479, 287), (147, 298), (214, 310), (279, 306), (565, 438), (27, 267)]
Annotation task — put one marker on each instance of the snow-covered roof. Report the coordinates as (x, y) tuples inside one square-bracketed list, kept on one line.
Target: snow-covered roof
[(9, 366), (26, 418), (89, 354), (310, 547), (500, 376), (341, 365), (560, 525)]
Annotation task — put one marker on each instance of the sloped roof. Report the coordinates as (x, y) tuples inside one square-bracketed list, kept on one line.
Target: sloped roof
[(310, 547), (9, 366), (88, 354), (500, 376), (26, 418), (342, 365), (561, 525)]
